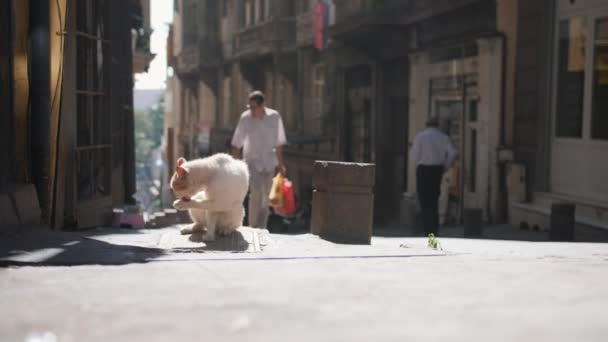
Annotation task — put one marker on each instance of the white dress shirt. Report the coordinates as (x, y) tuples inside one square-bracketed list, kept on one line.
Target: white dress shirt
[(433, 147), (259, 139)]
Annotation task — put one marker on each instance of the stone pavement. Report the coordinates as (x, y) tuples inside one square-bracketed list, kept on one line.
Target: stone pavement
[(110, 246), (156, 285)]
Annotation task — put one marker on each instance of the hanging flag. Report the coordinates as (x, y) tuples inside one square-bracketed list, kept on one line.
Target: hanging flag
[(320, 25)]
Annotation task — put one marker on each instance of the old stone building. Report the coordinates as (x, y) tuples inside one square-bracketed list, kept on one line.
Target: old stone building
[(66, 102), (560, 126), (355, 80)]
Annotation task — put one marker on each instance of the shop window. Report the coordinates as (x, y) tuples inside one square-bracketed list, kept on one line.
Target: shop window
[(571, 77), (599, 114)]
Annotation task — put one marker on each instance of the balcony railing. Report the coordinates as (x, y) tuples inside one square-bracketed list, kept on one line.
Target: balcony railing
[(350, 9), (142, 57), (194, 57), (188, 60), (261, 39)]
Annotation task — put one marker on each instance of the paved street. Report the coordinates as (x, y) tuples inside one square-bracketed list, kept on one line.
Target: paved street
[(157, 285)]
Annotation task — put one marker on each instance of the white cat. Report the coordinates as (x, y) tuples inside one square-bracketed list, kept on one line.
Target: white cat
[(212, 189)]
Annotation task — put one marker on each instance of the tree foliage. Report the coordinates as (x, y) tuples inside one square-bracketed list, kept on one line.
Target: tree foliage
[(148, 131)]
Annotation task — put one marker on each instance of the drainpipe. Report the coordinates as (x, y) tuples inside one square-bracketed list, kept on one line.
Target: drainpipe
[(40, 104), (503, 205), (6, 100)]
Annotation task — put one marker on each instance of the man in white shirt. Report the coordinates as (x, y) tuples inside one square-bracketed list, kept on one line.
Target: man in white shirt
[(261, 134), (433, 154)]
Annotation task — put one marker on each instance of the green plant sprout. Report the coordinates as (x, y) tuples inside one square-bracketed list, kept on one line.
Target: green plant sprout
[(433, 242)]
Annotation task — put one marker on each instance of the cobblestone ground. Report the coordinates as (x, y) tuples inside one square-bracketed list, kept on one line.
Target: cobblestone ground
[(156, 285)]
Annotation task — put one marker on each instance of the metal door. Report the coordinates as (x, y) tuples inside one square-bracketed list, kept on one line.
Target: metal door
[(93, 152)]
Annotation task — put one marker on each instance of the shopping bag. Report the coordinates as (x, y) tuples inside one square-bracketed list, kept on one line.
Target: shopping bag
[(289, 199), (276, 191)]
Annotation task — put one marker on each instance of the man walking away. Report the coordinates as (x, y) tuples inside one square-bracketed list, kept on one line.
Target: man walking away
[(433, 154), (261, 134)]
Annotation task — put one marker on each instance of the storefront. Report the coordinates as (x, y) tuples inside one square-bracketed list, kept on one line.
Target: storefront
[(579, 142), (462, 87)]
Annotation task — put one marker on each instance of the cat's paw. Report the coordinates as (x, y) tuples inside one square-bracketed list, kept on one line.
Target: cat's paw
[(181, 204), (222, 232), (208, 237), (187, 230), (196, 237), (193, 228)]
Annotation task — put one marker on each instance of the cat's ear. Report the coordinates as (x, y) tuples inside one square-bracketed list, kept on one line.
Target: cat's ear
[(180, 161), (181, 171)]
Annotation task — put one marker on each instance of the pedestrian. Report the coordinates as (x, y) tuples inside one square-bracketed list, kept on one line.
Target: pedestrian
[(261, 135), (433, 154)]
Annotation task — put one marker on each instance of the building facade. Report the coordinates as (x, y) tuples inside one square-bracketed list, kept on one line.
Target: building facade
[(355, 80), (560, 126), (68, 116)]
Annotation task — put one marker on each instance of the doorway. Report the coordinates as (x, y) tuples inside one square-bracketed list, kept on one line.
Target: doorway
[(454, 102), (358, 111), (391, 141)]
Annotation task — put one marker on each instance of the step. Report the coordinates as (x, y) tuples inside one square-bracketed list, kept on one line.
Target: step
[(546, 198), (589, 210), (539, 214)]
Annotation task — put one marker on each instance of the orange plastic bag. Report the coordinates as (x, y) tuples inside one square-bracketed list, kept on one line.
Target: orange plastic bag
[(289, 200)]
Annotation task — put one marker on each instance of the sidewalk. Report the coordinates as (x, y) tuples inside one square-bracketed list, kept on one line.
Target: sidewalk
[(157, 285), (108, 246)]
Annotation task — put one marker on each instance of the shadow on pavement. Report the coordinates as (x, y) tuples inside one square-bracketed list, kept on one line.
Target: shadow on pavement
[(43, 247), (235, 242)]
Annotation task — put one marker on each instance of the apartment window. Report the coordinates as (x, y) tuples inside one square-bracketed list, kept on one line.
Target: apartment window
[(599, 105), (581, 93), (302, 6), (224, 8), (266, 9), (257, 16), (248, 13), (571, 77), (190, 23)]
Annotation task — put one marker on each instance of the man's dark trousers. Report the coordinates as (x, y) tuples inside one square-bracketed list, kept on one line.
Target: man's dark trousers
[(428, 182)]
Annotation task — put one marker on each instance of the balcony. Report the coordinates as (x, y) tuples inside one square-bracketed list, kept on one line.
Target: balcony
[(385, 26), (142, 57), (266, 38), (210, 52), (352, 15), (196, 57), (187, 62)]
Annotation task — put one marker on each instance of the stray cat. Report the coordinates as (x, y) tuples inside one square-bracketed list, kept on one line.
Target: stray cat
[(212, 189)]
